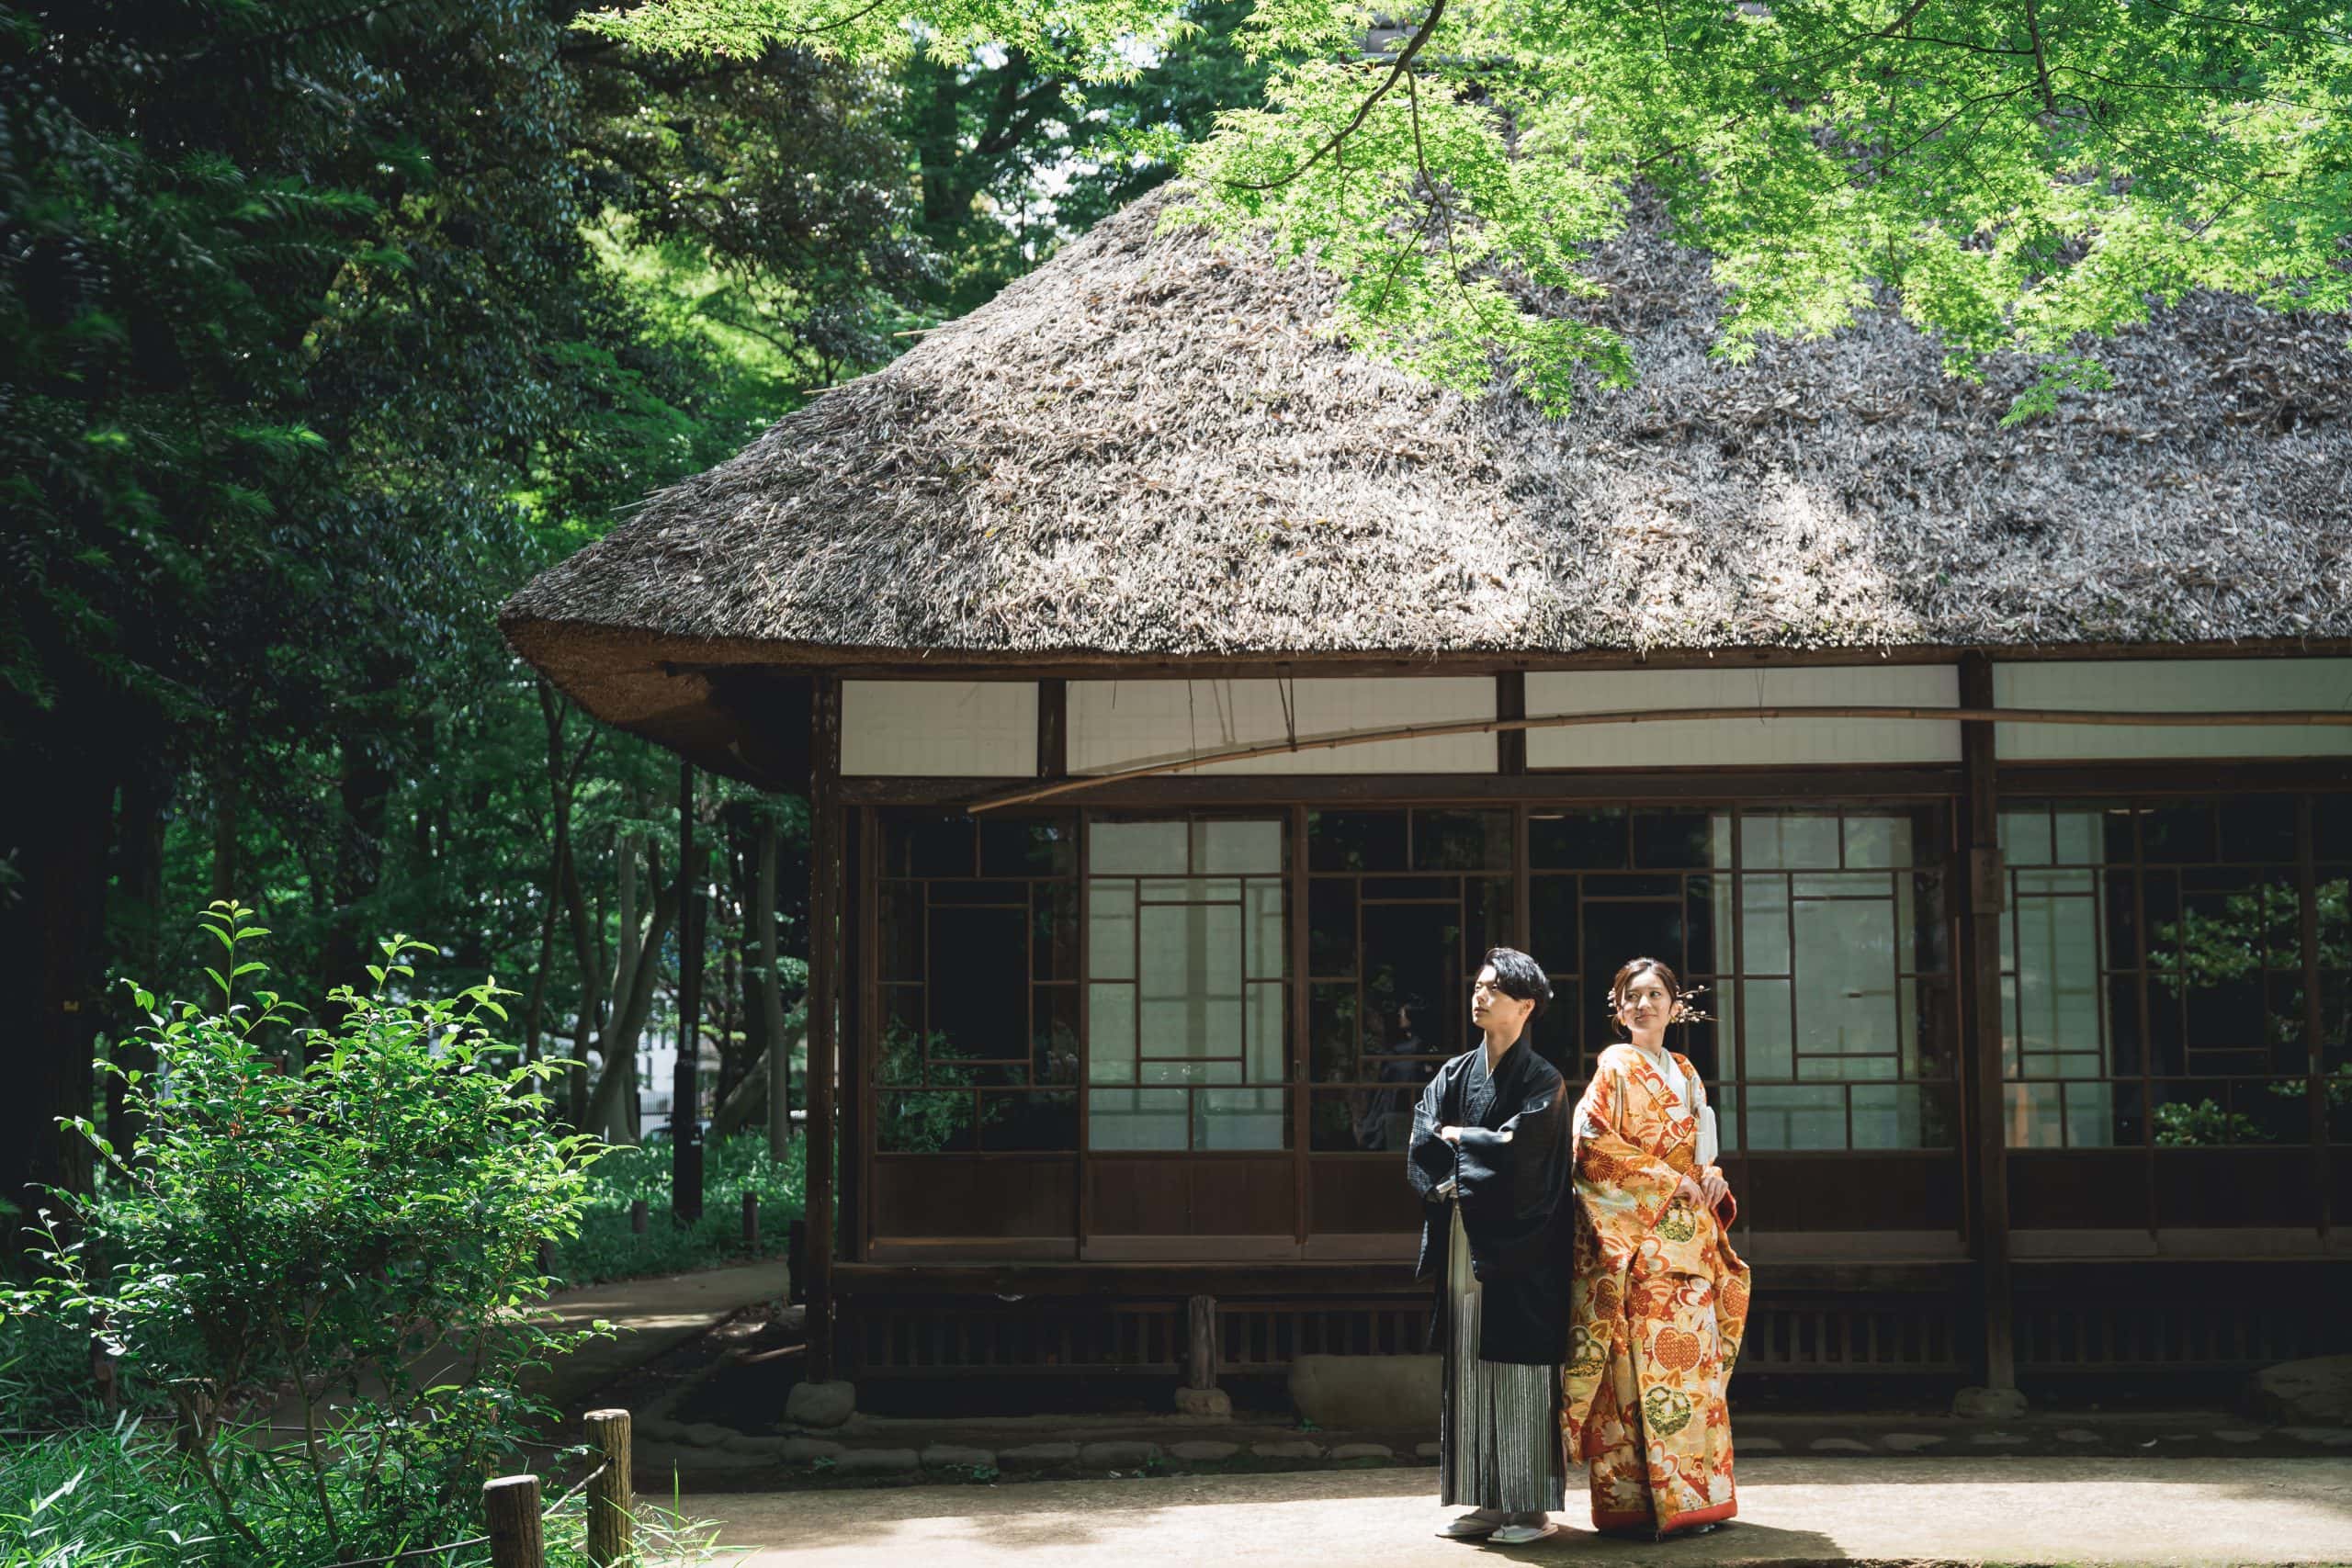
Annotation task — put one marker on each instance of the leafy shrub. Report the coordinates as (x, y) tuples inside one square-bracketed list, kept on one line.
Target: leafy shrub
[(309, 1212)]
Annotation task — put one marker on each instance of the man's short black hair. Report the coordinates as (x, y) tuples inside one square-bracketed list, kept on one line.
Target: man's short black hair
[(1520, 977)]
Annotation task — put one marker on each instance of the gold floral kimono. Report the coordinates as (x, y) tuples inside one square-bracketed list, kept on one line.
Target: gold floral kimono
[(1657, 1310)]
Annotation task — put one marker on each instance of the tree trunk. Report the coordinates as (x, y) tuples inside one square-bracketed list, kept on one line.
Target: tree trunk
[(763, 923), (365, 792), (53, 956)]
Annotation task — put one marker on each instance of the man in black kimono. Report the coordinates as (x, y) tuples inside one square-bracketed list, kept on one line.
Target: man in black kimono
[(1491, 1158)]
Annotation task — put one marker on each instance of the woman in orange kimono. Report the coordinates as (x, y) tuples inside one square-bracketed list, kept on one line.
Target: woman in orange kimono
[(1659, 1299)]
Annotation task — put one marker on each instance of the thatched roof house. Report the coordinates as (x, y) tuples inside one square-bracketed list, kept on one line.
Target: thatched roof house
[(1151, 449), (1961, 727)]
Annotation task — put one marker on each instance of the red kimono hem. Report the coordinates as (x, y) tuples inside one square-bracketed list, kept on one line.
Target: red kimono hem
[(1714, 1514)]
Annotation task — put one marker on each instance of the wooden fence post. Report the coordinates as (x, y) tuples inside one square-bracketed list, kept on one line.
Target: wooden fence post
[(636, 1217), (513, 1504), (612, 1502), (751, 1221)]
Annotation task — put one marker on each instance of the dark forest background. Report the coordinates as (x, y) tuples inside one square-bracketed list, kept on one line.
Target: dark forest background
[(322, 327)]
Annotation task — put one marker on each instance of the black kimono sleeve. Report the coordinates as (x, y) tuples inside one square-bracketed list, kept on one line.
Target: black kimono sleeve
[(1513, 1178), (1430, 1162)]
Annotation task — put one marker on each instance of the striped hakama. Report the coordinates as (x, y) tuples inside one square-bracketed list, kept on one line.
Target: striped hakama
[(1500, 1447)]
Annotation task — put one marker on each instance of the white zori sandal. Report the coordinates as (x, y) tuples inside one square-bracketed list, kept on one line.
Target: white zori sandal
[(1477, 1525), (1520, 1535)]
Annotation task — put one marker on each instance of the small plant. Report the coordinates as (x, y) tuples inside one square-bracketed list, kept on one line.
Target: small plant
[(334, 1226)]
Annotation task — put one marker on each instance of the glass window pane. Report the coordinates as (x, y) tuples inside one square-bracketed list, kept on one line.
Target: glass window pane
[(1461, 840), (1126, 1119), (1053, 1034), (2173, 835), (1360, 1120), (1189, 890), (1028, 847), (978, 980), (1845, 984), (1355, 841), (1189, 1001), (925, 1122), (927, 846), (1671, 839), (2058, 979), (1877, 841), (1330, 927), (1137, 848), (1267, 954), (1029, 1122), (1578, 841), (2025, 836), (1889, 1116), (1111, 1034), (1331, 1029), (2090, 1116), (1412, 966), (1266, 1019), (900, 915), (1764, 924), (1111, 931), (2033, 1121), (1769, 1041), (1800, 1116), (1228, 848), (1782, 840), (2080, 838), (1241, 1119), (1188, 1072), (2258, 827)]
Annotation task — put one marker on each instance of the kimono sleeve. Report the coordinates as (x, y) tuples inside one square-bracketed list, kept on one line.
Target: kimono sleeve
[(1428, 1158), (1625, 1190), (1520, 1168)]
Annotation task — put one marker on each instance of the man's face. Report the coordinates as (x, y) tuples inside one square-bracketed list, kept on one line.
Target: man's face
[(1491, 1009)]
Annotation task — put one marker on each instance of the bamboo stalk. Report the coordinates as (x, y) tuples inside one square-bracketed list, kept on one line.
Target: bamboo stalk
[(2235, 719)]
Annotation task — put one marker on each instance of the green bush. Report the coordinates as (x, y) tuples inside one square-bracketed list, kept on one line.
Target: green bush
[(333, 1230)]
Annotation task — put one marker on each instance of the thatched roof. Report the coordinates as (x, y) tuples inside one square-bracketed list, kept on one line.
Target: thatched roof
[(1149, 450)]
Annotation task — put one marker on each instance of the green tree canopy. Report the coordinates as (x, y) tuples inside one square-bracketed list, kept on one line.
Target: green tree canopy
[(2014, 175)]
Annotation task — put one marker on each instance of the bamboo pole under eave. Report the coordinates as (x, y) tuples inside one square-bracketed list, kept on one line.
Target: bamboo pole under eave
[(2234, 718)]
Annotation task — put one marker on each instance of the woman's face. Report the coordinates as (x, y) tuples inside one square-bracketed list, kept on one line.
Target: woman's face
[(1647, 1007)]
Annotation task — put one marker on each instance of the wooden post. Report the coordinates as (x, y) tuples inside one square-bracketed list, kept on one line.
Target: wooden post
[(636, 1217), (612, 1498), (1983, 1087), (513, 1504), (824, 889), (685, 1086), (751, 1221), (1200, 1358)]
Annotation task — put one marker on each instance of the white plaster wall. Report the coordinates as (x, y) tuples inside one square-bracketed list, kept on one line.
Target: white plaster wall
[(939, 729), (1122, 724), (2176, 686), (1746, 742)]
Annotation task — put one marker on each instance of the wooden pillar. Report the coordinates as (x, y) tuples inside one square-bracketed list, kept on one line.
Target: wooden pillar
[(1053, 729), (1982, 1084), (1511, 745), (824, 902), (2314, 1025), (685, 1132)]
